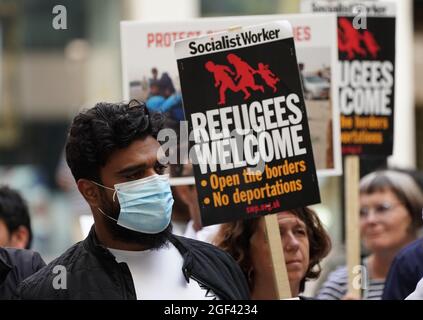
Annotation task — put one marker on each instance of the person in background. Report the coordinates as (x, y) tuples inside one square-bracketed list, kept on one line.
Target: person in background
[(407, 268), (164, 98), (305, 243), (195, 229), (155, 97), (390, 216), (130, 252), (186, 197), (154, 75), (405, 272), (15, 266), (15, 222)]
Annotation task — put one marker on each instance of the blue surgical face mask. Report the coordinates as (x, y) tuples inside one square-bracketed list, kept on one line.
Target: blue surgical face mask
[(145, 204)]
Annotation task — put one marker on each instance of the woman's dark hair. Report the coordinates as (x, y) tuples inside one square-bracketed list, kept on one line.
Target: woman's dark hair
[(234, 238), (96, 133)]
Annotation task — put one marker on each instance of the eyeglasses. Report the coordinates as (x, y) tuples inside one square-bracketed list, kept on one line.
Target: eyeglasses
[(379, 209)]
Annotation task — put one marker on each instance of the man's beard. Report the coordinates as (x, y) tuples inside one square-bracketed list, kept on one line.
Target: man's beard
[(117, 232)]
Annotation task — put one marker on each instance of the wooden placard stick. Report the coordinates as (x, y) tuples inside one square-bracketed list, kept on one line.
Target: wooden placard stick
[(352, 223), (283, 290)]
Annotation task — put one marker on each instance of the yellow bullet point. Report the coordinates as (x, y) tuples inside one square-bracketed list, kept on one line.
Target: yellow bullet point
[(203, 183), (206, 200)]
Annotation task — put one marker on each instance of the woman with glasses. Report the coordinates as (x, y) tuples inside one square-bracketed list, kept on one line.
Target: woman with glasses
[(305, 243), (390, 216)]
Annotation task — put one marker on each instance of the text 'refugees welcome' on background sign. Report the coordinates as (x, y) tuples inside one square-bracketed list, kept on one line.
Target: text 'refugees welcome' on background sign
[(251, 145), (366, 46)]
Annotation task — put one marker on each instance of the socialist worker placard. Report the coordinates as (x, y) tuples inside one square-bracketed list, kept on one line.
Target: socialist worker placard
[(250, 141), (366, 46), (148, 58)]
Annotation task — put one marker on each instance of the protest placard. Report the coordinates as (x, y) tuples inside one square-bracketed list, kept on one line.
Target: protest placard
[(148, 60), (243, 100), (366, 46), (366, 43)]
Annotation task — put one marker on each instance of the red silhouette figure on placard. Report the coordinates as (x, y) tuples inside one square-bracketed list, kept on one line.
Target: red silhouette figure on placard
[(267, 75), (245, 74), (371, 44), (226, 78), (350, 39), (222, 78)]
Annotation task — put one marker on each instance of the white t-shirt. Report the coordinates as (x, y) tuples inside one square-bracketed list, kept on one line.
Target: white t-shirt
[(205, 234), (418, 293), (157, 275)]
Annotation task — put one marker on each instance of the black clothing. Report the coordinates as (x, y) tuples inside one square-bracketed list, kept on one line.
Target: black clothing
[(15, 266), (92, 272)]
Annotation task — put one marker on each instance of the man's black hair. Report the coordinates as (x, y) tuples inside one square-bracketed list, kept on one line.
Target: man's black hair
[(14, 211), (96, 133)]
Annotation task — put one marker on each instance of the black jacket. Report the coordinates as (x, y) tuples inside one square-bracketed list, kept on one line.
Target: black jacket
[(15, 266), (93, 273)]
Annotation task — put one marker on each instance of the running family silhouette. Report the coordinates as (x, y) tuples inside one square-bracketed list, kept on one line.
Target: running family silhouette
[(350, 39), (240, 80)]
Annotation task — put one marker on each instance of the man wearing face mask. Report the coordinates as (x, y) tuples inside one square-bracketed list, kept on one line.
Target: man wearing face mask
[(130, 252)]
